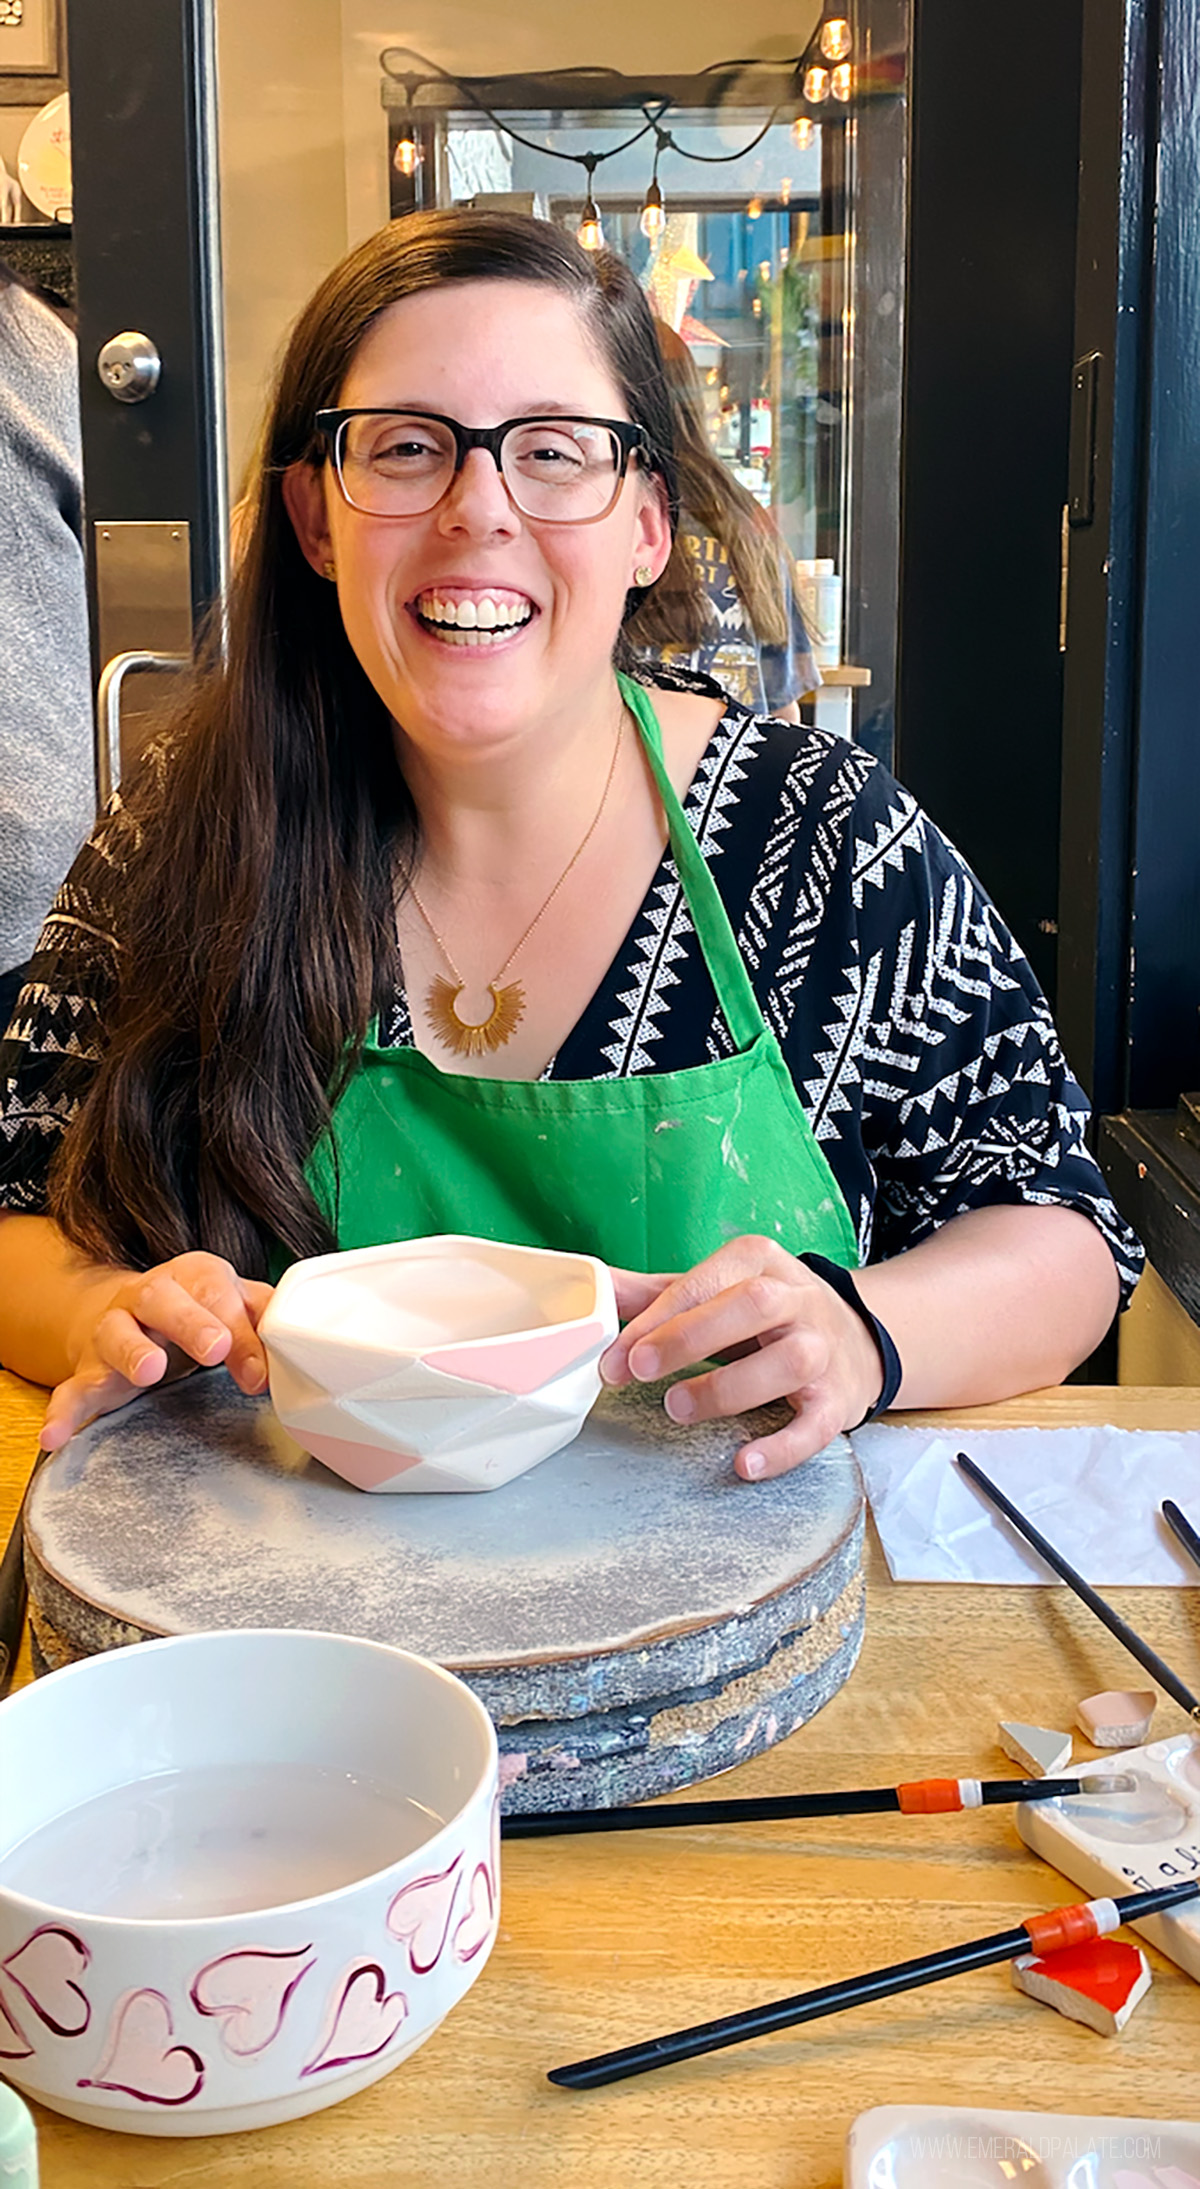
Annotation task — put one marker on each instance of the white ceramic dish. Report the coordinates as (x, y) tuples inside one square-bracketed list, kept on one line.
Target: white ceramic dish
[(447, 1363), (957, 2147), (242, 1875), (44, 159), (1122, 1843)]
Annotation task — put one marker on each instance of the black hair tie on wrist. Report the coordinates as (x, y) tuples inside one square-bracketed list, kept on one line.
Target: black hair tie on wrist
[(842, 1282)]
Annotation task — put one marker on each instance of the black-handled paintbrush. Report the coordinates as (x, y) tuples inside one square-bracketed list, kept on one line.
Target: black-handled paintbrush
[(1181, 1526), (1039, 1934), (1169, 1681), (915, 1797)]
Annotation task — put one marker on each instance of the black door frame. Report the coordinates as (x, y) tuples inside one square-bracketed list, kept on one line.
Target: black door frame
[(146, 239)]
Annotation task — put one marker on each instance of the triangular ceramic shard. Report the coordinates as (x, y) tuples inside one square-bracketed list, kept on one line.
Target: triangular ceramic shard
[(1036, 1748), (1098, 1984)]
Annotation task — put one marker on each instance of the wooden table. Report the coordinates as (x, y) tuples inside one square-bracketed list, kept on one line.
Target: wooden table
[(604, 1940)]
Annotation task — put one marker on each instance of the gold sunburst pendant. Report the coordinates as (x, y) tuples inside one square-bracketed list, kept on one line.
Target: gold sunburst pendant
[(459, 1035)]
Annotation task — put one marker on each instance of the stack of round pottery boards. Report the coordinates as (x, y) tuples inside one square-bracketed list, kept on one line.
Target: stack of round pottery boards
[(632, 1614)]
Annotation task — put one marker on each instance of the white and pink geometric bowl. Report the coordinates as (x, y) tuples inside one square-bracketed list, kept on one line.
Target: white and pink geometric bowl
[(242, 1875), (447, 1363)]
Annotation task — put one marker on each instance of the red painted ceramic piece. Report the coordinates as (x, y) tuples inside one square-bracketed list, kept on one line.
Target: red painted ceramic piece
[(1099, 1983)]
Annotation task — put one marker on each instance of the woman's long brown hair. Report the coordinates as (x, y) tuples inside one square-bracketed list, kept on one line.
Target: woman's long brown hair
[(256, 922)]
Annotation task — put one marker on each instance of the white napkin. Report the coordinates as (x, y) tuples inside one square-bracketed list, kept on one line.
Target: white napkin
[(1093, 1493)]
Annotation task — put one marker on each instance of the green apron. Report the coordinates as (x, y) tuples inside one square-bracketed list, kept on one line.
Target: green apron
[(651, 1172)]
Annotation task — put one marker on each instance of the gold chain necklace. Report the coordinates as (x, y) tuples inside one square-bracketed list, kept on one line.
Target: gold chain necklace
[(459, 1035)]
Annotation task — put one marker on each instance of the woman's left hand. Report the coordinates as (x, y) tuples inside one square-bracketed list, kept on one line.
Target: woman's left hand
[(781, 1332)]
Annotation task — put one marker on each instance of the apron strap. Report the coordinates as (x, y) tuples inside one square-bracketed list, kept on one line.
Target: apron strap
[(718, 944)]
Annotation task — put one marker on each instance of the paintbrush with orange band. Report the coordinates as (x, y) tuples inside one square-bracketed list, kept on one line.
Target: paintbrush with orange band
[(1040, 1934), (915, 1797)]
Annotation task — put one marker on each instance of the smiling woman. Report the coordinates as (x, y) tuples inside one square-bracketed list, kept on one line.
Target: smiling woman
[(748, 1022)]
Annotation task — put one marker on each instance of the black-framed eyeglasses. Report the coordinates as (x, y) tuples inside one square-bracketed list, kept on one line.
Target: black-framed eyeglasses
[(559, 470)]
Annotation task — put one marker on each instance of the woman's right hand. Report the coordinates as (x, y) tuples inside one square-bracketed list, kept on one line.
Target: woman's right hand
[(137, 1327)]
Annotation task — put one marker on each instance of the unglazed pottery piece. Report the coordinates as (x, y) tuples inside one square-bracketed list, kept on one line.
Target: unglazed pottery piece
[(1117, 1719), (633, 1616), (447, 1363), (1121, 1843), (1098, 1984), (201, 1902), (1039, 1751), (964, 2147)]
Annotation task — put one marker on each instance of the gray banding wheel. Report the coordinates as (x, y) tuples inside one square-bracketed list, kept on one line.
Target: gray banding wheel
[(633, 1616)]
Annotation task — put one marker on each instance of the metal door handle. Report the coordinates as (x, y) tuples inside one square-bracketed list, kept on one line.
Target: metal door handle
[(129, 367), (108, 709)]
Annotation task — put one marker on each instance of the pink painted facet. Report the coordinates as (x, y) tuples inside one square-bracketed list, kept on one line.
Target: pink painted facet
[(521, 1364), (366, 1465), (248, 1993), (139, 2057)]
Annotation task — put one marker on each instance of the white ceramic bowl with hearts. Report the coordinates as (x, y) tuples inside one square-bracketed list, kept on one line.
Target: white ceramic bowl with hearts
[(242, 1875), (447, 1363)]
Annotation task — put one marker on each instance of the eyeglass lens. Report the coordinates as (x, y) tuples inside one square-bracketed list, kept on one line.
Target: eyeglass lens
[(562, 470)]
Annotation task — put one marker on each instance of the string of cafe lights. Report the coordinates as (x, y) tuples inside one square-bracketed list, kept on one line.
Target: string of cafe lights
[(823, 72)]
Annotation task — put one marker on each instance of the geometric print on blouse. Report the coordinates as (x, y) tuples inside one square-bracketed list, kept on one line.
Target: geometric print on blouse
[(915, 1034)]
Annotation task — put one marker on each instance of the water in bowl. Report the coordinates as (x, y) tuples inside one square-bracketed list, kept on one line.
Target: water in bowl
[(214, 1842)]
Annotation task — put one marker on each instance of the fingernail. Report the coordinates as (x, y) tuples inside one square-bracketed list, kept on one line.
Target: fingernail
[(679, 1403), (753, 1465), (644, 1363), (609, 1365), (141, 1362), (211, 1338), (254, 1375)]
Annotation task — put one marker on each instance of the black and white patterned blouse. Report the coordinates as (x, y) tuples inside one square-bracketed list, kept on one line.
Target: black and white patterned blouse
[(917, 1038)]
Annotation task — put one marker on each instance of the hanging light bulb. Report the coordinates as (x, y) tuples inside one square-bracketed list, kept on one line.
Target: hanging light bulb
[(654, 212), (816, 85), (754, 209), (836, 38), (841, 83), (802, 132), (407, 156), (785, 189), (590, 232)]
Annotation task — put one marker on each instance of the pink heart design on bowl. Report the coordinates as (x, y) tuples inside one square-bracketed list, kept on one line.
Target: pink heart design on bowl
[(364, 2020), (419, 1916), (249, 1992), (14, 2045), (139, 2058), (43, 1969), (475, 1927)]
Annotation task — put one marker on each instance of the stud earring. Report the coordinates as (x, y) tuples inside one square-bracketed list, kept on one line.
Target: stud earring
[(329, 570), (643, 575)]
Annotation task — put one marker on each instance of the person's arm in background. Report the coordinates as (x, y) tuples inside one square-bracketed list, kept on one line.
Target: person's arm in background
[(789, 672)]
